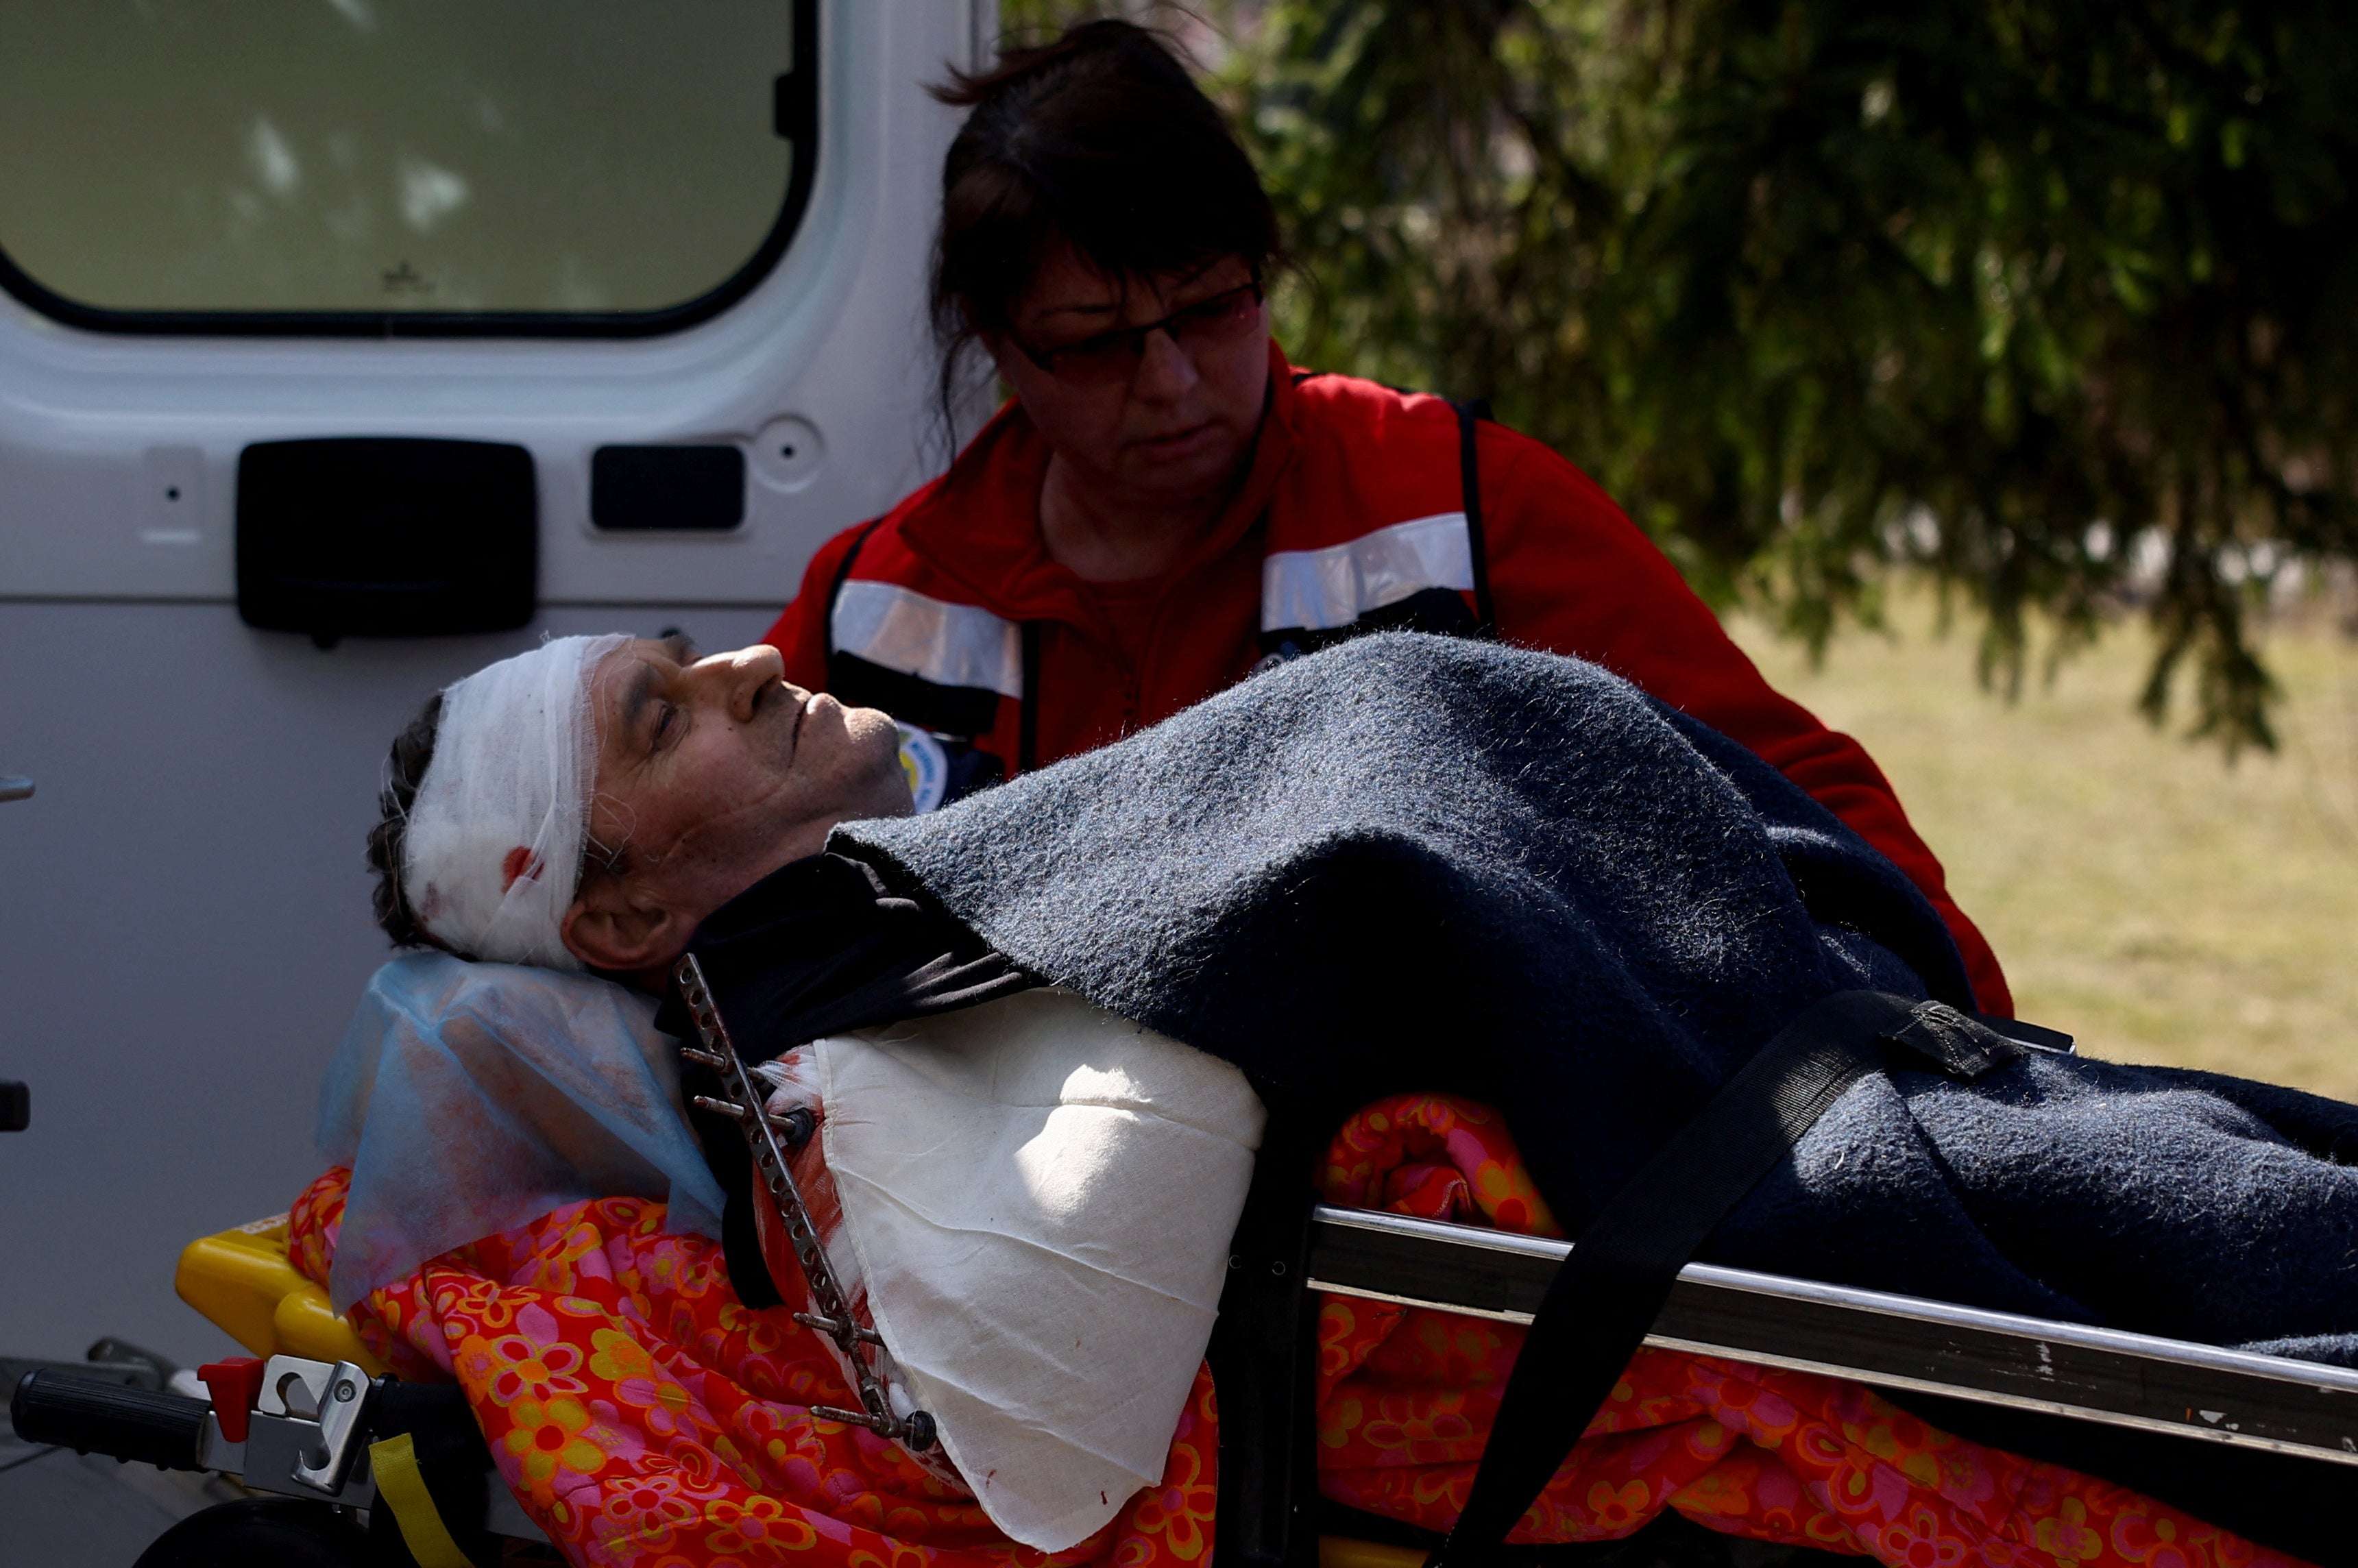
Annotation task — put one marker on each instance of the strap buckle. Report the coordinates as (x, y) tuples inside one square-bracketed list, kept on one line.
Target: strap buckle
[(1967, 1044)]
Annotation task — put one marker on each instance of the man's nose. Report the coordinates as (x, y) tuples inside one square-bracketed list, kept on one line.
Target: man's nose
[(1165, 373), (739, 678)]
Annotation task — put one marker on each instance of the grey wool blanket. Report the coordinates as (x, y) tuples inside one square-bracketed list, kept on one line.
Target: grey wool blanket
[(1416, 863)]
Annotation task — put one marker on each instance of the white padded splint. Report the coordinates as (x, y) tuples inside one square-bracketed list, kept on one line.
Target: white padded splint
[(1031, 1201)]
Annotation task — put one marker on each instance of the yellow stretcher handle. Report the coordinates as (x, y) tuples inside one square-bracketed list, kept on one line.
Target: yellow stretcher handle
[(241, 1279)]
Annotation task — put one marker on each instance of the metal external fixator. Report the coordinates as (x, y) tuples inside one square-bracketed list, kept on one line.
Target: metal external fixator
[(795, 1127), (833, 1329), (770, 1138)]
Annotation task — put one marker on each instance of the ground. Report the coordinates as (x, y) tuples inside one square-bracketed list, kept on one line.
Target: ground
[(2142, 893)]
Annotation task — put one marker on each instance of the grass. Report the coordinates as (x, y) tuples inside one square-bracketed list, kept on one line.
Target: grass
[(2157, 902)]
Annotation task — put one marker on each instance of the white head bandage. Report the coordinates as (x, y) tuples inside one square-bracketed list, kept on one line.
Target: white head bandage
[(493, 847)]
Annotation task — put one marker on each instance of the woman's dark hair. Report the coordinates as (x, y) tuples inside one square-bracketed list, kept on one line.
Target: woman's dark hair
[(1100, 139), (404, 770)]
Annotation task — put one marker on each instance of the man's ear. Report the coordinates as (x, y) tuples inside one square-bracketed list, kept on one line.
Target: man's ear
[(615, 925)]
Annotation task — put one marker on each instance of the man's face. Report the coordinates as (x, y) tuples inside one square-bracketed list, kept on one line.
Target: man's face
[(712, 773)]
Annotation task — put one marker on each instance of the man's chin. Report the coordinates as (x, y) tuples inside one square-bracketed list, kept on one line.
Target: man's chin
[(872, 726), (884, 783)]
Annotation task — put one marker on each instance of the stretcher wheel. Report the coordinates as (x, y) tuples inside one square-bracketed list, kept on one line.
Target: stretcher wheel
[(262, 1532)]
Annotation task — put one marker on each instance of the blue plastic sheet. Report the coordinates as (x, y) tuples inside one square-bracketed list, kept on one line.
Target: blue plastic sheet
[(470, 1099)]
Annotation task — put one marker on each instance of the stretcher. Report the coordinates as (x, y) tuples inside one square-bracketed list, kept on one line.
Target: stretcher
[(336, 1451), (346, 1461)]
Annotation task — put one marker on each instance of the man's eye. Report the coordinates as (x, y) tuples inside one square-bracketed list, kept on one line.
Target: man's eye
[(666, 717)]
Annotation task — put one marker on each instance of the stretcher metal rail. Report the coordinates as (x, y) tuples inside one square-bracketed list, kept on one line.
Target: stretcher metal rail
[(1990, 1357)]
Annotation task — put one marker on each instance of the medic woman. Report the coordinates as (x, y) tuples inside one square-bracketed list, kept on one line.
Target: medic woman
[(1166, 502)]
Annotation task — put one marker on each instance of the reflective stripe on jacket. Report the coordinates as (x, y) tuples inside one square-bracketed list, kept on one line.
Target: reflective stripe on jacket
[(1354, 514)]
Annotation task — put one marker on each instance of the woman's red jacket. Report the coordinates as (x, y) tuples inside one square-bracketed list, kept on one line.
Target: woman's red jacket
[(1354, 514)]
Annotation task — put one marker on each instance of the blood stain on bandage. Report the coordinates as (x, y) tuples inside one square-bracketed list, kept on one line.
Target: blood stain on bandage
[(517, 862)]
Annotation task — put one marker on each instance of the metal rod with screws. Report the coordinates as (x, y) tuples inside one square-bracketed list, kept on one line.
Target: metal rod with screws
[(762, 1135)]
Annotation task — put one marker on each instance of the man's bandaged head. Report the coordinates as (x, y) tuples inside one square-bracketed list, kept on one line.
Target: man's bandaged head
[(493, 849)]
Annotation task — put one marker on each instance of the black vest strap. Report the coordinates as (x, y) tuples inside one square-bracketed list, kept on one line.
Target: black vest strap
[(957, 714), (1609, 1291), (1027, 716), (842, 575), (1469, 479)]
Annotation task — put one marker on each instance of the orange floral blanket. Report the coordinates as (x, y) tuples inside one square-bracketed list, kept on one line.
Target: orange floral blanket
[(647, 1418)]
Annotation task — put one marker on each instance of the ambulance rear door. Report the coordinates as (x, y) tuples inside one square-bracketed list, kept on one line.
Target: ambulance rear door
[(326, 319)]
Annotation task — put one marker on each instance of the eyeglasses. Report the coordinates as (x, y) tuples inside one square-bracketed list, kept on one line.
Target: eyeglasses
[(1110, 357)]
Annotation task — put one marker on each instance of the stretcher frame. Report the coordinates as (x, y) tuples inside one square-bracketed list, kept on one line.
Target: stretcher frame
[(2102, 1376), (2134, 1380)]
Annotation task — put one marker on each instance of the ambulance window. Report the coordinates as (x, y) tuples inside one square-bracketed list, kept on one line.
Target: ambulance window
[(407, 166)]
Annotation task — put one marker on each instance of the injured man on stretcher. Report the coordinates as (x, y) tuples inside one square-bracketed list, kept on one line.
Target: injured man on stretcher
[(1495, 920)]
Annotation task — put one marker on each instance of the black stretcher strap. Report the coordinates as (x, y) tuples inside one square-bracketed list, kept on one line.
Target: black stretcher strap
[(1614, 1284), (1264, 1352)]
